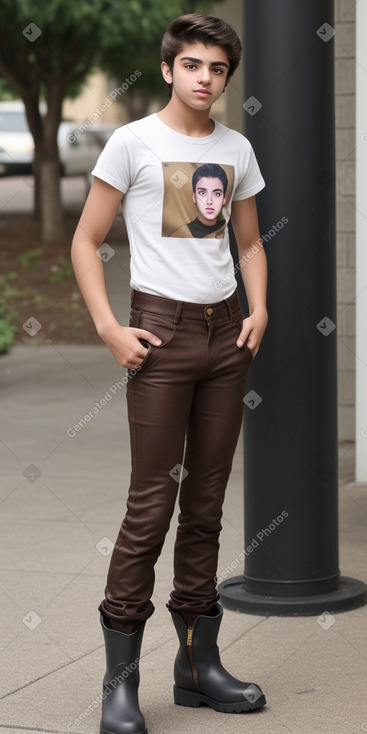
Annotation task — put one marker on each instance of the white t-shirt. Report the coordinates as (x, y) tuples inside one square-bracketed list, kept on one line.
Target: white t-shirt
[(178, 193)]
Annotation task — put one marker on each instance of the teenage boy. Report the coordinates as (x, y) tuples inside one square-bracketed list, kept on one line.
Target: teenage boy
[(193, 351)]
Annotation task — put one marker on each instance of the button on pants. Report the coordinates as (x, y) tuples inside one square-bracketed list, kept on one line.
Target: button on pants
[(185, 407)]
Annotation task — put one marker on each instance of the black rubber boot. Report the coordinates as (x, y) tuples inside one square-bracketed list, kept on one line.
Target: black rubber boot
[(200, 678), (120, 705)]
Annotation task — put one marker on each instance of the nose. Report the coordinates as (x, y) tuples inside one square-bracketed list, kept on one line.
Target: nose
[(204, 75)]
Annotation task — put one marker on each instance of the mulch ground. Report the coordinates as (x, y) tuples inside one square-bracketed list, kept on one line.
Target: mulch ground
[(39, 283)]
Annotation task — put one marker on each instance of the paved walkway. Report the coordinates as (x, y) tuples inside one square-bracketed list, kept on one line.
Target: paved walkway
[(63, 489)]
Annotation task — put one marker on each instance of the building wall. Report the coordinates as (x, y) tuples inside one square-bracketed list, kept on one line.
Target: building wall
[(90, 103), (344, 44)]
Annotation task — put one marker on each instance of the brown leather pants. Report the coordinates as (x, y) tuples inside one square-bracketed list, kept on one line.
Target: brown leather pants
[(191, 387)]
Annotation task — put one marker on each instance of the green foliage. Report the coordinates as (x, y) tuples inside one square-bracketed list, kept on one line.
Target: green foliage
[(63, 271), (6, 90), (69, 30), (116, 35), (7, 315), (7, 335), (7, 290), (29, 259)]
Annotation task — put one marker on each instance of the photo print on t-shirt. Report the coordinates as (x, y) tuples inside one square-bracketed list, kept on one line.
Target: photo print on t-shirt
[(195, 199)]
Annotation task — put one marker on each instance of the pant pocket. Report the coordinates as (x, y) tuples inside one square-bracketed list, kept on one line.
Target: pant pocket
[(238, 320), (161, 326)]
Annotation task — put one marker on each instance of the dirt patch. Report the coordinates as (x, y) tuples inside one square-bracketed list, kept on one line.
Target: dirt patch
[(41, 285)]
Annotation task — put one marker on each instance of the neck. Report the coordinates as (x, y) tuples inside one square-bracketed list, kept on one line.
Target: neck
[(185, 120)]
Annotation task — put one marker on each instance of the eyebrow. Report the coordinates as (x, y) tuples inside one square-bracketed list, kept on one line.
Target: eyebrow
[(202, 188), (199, 61)]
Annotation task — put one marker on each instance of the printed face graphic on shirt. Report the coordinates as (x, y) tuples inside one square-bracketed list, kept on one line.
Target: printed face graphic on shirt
[(209, 198), (195, 198)]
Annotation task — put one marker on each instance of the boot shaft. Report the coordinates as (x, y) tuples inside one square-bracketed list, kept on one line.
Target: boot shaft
[(122, 652), (121, 713), (198, 646)]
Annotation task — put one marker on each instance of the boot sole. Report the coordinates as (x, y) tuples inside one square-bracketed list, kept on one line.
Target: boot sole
[(183, 697), (104, 731)]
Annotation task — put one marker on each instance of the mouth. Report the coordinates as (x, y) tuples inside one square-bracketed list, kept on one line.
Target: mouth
[(202, 92), (209, 211)]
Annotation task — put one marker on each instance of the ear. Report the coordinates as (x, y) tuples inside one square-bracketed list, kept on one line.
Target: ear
[(226, 84), (166, 73)]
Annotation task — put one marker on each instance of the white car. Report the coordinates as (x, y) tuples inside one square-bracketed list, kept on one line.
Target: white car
[(16, 142), (78, 148)]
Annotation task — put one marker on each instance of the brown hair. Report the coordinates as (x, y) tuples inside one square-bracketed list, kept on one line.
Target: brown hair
[(204, 28)]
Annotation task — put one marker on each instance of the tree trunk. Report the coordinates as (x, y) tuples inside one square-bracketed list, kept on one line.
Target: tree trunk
[(137, 104), (48, 208), (47, 175), (36, 194), (31, 102)]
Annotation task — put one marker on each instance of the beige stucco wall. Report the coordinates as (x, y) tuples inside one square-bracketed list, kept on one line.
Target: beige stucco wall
[(94, 96)]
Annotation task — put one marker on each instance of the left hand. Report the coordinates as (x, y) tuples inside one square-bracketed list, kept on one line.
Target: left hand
[(253, 330)]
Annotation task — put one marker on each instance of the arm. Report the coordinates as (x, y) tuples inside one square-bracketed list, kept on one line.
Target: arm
[(98, 214), (252, 260)]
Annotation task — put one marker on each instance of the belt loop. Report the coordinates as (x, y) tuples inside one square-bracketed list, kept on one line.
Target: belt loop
[(178, 312)]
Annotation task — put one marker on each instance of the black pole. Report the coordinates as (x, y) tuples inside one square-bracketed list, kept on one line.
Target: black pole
[(290, 427)]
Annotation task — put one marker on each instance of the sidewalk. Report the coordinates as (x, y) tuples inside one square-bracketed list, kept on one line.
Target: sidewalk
[(62, 497)]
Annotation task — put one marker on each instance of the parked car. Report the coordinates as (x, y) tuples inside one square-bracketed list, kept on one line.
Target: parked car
[(79, 152), (16, 141), (79, 148)]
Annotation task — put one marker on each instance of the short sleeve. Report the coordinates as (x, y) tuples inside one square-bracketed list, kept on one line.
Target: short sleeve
[(251, 181), (113, 164)]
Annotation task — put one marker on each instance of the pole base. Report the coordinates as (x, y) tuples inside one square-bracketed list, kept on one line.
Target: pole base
[(350, 595)]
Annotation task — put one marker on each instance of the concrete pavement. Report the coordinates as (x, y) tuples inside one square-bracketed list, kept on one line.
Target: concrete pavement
[(63, 492)]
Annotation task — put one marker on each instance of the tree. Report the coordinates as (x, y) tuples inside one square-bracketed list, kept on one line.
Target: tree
[(43, 48), (46, 47)]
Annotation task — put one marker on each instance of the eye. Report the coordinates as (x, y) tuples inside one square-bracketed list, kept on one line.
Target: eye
[(217, 70), (190, 66)]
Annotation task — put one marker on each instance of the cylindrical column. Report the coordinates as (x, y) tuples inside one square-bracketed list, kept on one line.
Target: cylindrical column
[(291, 449)]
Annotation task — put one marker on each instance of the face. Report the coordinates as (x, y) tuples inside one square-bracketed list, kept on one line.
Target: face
[(199, 75), (209, 199)]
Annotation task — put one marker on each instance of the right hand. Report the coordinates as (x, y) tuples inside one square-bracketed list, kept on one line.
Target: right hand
[(123, 343)]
